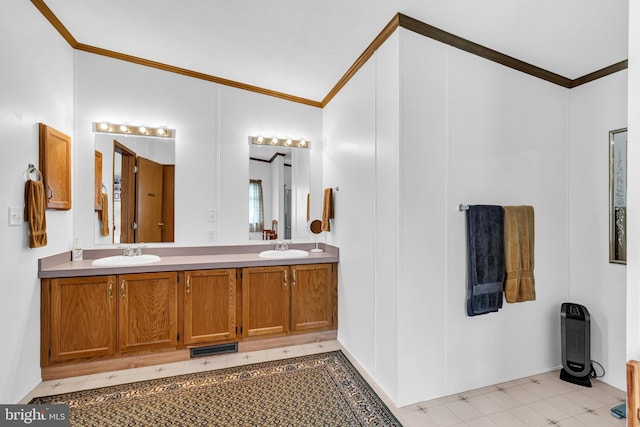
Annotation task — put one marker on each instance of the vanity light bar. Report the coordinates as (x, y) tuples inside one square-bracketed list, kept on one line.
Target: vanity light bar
[(105, 127), (281, 142)]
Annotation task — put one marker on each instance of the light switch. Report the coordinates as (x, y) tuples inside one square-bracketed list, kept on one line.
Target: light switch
[(213, 215), (15, 216), (212, 235)]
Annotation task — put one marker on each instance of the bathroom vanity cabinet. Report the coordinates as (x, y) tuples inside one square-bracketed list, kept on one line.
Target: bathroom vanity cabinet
[(284, 299), (79, 318), (209, 306), (313, 297), (84, 317), (147, 312), (104, 322)]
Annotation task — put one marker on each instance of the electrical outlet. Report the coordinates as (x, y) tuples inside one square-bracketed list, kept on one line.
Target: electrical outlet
[(212, 235), (213, 215), (15, 216)]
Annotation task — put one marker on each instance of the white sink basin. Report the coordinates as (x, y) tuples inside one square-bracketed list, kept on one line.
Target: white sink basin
[(125, 261), (289, 253)]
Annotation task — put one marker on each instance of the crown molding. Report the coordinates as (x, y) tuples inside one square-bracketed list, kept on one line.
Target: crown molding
[(603, 72), (399, 20), (363, 58)]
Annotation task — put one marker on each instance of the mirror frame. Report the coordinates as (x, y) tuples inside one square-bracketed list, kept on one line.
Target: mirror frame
[(618, 196)]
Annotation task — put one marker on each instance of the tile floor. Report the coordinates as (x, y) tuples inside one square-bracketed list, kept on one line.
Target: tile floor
[(540, 400)]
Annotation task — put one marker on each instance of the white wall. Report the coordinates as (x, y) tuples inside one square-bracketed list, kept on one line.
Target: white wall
[(349, 164), (468, 131), (212, 122), (36, 83), (597, 108), (507, 137)]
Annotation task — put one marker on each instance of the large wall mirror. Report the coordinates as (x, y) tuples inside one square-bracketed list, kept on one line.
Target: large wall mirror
[(278, 189), (138, 182), (618, 196)]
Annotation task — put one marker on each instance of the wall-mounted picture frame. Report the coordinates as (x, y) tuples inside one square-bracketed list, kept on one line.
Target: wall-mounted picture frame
[(618, 196)]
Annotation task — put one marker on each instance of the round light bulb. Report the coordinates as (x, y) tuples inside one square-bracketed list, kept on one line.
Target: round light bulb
[(289, 141), (260, 140), (103, 126), (274, 141), (303, 143), (160, 132), (123, 128), (142, 129)]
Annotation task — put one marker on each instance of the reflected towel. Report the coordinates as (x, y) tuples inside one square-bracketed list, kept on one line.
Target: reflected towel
[(485, 257), (35, 213), (327, 209), (308, 207), (103, 215), (519, 239)]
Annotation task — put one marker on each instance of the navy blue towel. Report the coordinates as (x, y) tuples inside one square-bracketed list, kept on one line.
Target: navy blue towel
[(485, 258)]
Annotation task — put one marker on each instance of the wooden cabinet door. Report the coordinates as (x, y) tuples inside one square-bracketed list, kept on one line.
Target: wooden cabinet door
[(148, 311), (209, 305), (265, 301), (312, 304), (83, 318), (55, 165)]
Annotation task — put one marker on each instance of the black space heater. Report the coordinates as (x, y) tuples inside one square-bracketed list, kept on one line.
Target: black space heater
[(576, 344)]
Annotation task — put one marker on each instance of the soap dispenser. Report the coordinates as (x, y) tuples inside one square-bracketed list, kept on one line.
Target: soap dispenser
[(77, 250)]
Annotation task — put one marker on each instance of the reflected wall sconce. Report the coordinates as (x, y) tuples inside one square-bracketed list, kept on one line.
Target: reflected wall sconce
[(279, 142), (105, 127)]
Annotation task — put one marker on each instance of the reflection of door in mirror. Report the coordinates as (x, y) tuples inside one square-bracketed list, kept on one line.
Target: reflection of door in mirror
[(124, 161), (149, 201), (143, 195)]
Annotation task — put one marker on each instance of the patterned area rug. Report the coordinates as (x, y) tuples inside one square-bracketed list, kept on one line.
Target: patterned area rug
[(319, 390)]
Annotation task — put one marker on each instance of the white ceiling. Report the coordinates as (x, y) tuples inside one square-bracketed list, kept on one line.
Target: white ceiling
[(303, 47)]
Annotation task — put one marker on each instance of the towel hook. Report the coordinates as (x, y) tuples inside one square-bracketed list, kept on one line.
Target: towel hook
[(104, 189)]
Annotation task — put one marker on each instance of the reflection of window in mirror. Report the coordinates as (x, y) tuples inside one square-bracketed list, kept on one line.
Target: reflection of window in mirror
[(256, 208)]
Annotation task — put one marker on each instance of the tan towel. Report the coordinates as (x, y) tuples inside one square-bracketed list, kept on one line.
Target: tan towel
[(519, 239), (35, 213), (308, 207), (103, 215), (327, 209)]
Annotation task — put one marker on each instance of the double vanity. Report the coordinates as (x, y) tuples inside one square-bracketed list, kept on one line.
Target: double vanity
[(112, 311)]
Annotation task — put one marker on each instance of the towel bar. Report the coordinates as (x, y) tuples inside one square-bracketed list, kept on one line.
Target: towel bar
[(462, 207)]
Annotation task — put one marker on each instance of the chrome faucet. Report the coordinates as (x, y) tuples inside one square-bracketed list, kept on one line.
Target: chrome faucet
[(282, 246), (131, 251)]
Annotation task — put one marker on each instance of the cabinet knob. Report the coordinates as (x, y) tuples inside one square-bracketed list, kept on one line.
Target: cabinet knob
[(122, 289), (294, 277), (285, 277), (188, 283), (110, 291)]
